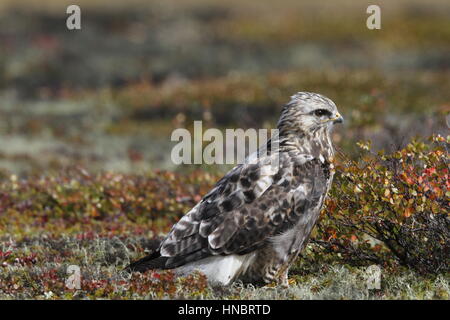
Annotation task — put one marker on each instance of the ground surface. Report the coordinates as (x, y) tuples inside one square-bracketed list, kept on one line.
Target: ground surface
[(86, 118)]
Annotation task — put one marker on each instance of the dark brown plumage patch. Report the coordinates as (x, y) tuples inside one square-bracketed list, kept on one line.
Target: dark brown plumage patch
[(234, 177), (254, 175), (209, 210), (245, 182), (277, 219), (326, 170), (277, 176), (210, 225), (285, 184), (231, 203), (249, 196), (285, 204), (251, 223), (300, 207)]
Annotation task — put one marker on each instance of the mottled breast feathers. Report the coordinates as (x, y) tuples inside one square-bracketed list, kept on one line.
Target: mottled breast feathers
[(248, 206)]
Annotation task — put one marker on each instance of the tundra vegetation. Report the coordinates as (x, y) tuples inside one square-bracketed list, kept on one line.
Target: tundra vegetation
[(86, 118)]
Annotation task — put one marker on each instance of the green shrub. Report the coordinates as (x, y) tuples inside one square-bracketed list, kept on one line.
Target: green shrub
[(392, 206)]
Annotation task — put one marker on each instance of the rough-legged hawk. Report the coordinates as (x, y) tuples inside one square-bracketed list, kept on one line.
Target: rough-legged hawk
[(252, 225)]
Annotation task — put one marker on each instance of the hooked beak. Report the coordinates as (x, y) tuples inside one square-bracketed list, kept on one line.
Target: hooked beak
[(338, 118)]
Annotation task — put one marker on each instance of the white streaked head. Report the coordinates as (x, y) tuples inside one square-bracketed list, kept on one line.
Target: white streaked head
[(307, 112)]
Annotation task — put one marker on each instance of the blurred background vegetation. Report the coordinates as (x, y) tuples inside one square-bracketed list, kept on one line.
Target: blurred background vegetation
[(107, 97), (86, 118)]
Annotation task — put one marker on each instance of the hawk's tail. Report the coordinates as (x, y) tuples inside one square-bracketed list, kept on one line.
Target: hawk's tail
[(152, 261)]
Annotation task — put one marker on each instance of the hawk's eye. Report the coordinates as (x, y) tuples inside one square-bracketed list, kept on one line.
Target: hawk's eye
[(322, 112)]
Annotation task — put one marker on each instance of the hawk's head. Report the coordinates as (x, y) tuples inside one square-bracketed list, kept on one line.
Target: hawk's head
[(308, 112)]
